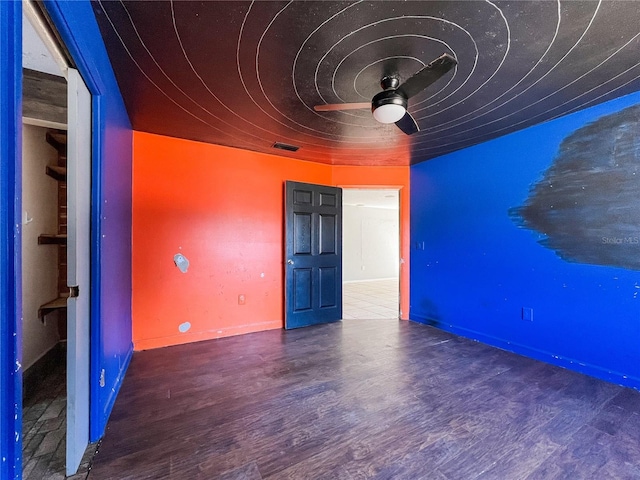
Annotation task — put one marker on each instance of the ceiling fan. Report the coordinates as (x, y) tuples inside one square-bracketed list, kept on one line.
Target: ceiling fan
[(390, 105)]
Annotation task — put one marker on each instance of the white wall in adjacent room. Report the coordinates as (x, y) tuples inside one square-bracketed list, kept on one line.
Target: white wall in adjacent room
[(370, 236)]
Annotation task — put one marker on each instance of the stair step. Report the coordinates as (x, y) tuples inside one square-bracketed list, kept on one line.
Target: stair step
[(46, 239), (58, 173), (58, 140)]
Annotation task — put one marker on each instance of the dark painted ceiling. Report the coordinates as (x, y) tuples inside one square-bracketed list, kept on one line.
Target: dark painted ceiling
[(247, 74)]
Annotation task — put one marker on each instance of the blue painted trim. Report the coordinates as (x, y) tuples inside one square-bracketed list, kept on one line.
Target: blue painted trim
[(78, 29), (542, 355), (10, 240), (90, 74), (96, 271), (97, 422)]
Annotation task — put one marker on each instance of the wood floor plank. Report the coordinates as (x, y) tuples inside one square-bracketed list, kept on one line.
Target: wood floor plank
[(363, 399)]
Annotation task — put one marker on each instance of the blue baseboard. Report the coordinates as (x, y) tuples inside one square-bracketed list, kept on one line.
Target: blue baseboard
[(537, 354)]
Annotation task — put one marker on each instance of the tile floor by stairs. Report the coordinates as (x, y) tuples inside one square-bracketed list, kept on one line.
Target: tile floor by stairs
[(44, 430), (370, 299)]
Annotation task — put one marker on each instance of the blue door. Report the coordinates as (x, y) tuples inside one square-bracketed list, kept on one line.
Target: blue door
[(313, 262)]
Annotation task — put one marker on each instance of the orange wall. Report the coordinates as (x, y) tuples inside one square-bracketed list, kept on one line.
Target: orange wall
[(222, 208)]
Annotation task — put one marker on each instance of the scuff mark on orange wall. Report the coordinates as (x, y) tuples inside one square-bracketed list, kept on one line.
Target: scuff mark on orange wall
[(222, 208)]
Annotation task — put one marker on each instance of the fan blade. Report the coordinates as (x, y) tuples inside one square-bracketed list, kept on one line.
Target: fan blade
[(336, 107), (427, 75), (407, 124)]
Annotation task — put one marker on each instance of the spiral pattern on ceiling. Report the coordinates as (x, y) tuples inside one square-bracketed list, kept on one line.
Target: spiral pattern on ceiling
[(247, 74)]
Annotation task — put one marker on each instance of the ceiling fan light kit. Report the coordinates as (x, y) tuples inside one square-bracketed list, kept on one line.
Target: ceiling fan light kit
[(389, 106), (389, 113)]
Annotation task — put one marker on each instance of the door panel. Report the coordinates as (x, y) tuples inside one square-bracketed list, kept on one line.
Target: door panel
[(328, 282), (303, 286), (302, 233), (302, 197), (78, 255), (327, 234), (328, 199), (313, 270)]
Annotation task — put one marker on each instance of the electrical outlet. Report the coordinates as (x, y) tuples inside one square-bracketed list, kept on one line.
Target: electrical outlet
[(527, 314), (241, 299)]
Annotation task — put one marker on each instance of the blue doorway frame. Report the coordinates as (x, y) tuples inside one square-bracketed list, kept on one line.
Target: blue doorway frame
[(111, 137), (10, 239), (111, 340)]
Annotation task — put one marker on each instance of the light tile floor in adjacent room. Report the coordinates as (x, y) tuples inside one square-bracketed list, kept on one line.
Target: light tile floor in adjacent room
[(371, 299), (44, 429)]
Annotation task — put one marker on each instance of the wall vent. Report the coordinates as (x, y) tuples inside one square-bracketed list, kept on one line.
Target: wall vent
[(286, 146)]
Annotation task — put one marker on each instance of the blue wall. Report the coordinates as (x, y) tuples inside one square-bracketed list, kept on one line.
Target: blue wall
[(111, 346), (474, 268)]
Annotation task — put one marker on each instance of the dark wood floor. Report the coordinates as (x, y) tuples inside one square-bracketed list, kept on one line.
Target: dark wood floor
[(364, 399)]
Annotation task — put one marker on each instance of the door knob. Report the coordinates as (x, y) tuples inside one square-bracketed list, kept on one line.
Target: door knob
[(290, 262)]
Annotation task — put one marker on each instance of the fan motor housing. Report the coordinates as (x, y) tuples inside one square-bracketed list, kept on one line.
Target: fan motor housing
[(388, 97)]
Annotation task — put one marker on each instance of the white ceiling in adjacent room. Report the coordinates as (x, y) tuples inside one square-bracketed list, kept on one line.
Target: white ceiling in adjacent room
[(375, 198)]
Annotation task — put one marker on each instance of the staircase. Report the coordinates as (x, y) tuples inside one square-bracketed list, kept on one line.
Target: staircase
[(58, 140)]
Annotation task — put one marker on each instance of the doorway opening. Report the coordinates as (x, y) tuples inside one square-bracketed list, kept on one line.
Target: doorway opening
[(371, 253), (47, 322)]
